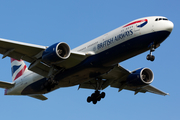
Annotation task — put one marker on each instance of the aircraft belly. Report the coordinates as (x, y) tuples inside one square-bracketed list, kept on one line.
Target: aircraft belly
[(100, 63), (80, 75)]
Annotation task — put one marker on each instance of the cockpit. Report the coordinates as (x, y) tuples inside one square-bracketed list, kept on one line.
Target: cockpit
[(158, 19)]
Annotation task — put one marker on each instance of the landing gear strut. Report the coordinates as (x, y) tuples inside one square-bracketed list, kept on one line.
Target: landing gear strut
[(150, 56), (96, 96), (49, 84)]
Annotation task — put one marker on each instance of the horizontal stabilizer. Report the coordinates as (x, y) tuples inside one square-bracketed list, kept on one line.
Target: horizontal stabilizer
[(39, 96), (6, 84)]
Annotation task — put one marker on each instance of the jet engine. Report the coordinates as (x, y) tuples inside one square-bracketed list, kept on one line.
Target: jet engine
[(140, 77), (56, 53)]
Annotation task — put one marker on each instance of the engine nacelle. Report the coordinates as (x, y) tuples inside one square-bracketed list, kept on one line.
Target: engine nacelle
[(140, 77), (56, 53)]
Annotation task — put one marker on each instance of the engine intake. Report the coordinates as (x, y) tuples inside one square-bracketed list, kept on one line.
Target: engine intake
[(140, 77), (56, 53)]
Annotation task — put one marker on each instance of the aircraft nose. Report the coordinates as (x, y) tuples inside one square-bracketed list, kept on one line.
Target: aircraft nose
[(169, 26)]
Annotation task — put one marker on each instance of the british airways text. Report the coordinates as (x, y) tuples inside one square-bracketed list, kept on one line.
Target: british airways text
[(116, 38)]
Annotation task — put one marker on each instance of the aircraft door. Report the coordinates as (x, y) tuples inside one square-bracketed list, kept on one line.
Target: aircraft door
[(136, 30)]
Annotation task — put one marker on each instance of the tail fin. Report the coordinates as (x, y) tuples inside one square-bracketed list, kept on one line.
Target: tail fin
[(18, 68)]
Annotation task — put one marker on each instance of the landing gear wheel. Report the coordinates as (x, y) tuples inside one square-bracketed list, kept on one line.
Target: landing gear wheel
[(96, 96), (150, 57), (89, 99), (99, 98), (103, 94), (152, 49), (94, 101)]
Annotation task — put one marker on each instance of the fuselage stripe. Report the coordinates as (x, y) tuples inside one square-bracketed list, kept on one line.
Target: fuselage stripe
[(144, 20)]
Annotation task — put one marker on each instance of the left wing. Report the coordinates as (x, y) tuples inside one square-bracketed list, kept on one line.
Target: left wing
[(32, 53), (20, 50), (116, 78)]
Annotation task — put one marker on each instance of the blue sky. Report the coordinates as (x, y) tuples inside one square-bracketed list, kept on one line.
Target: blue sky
[(75, 22)]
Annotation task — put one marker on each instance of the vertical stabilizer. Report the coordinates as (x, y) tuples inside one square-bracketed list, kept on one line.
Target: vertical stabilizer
[(18, 68)]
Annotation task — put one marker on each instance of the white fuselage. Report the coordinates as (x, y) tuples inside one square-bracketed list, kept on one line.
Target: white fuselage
[(125, 33), (152, 26)]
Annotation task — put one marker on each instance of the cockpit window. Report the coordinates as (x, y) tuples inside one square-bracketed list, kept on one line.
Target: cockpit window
[(165, 19), (158, 19)]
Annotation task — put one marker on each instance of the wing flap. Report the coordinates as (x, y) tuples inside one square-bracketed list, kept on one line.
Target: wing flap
[(40, 68), (74, 59), (6, 84), (147, 88), (43, 69)]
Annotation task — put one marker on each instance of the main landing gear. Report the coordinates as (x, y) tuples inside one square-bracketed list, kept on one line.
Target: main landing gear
[(49, 84), (150, 56), (96, 96)]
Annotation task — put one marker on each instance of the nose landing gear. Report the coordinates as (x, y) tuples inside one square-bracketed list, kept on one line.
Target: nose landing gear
[(150, 56)]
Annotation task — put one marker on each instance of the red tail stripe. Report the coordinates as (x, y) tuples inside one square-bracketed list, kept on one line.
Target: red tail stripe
[(20, 73), (12, 59)]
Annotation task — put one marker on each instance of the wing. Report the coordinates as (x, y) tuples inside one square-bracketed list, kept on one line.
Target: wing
[(20, 50), (6, 84), (117, 73), (32, 53), (116, 78)]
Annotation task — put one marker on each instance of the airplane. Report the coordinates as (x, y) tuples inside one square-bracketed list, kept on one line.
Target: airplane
[(93, 65)]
